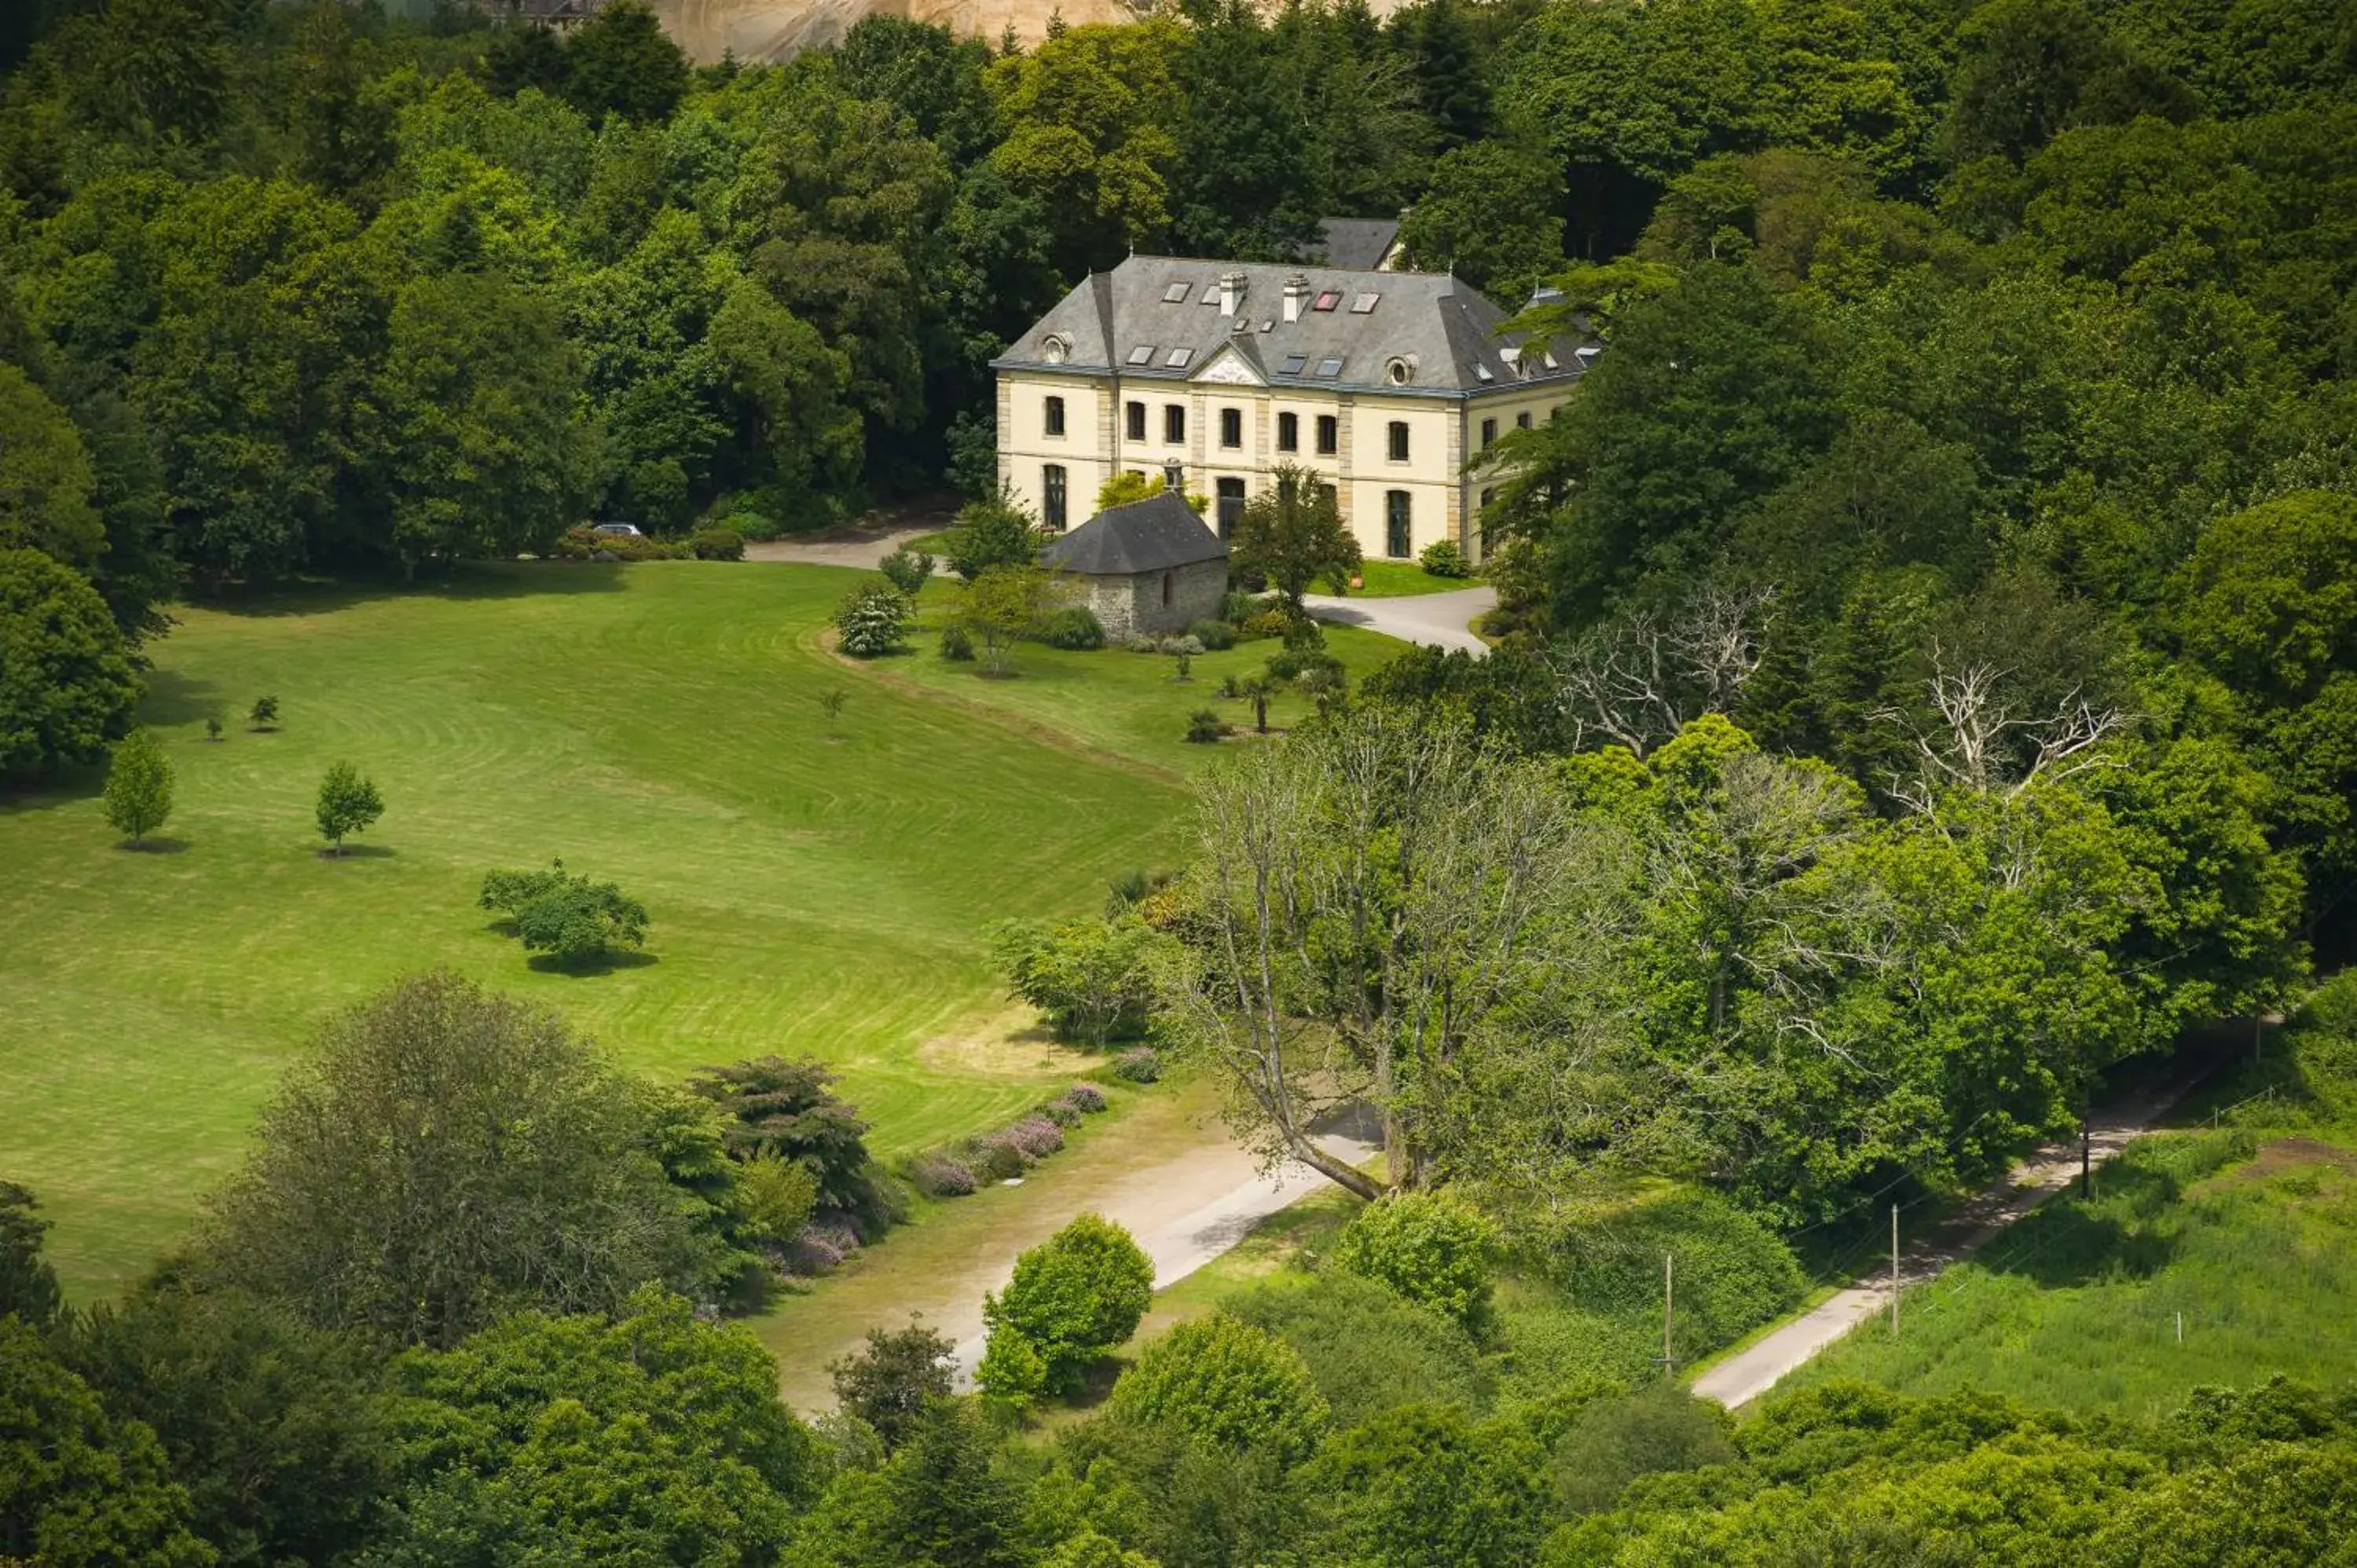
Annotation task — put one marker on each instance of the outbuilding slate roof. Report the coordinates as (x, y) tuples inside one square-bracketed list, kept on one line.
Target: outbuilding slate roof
[(1358, 244), (1156, 534), (1158, 318)]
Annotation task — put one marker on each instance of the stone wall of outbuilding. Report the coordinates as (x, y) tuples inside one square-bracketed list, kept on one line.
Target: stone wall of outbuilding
[(1132, 605)]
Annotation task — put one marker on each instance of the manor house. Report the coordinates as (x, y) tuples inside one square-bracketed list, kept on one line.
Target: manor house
[(1383, 384)]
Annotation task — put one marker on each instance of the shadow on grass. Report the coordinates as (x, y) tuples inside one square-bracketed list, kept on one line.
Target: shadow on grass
[(154, 847), (176, 699), (357, 852), (2073, 1242), (48, 791), (546, 963), (484, 580)]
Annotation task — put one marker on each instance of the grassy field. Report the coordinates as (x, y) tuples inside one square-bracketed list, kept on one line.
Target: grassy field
[(2249, 1243), (817, 886), (1398, 579)]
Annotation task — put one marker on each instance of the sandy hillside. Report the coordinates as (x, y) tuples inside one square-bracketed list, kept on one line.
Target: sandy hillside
[(773, 29)]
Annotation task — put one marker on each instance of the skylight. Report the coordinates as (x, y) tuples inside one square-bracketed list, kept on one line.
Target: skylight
[(1364, 305), (1481, 372), (1211, 293), (1141, 355), (1178, 357), (1328, 300), (1177, 292), (1329, 367), (1294, 364)]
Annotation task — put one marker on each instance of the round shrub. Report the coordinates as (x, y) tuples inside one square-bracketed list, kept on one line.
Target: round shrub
[(1074, 1297), (1181, 646), (1442, 558), (1139, 1064), (995, 1159), (1086, 1098), (1229, 1384), (67, 685), (717, 544), (1036, 1137), (873, 621), (1143, 645), (1267, 623), (1214, 635), (1431, 1249), (1075, 627), (1012, 1373), (941, 1175), (1062, 1112), (956, 644), (1367, 1349), (1204, 726)]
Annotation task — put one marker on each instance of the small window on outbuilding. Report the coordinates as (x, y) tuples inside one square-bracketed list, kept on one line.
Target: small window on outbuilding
[(1170, 581)]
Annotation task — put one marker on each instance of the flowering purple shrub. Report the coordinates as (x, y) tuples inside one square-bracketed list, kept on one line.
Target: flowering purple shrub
[(943, 1175), (1086, 1098), (1062, 1112), (1036, 1136), (811, 1254), (996, 1158), (1140, 1064)]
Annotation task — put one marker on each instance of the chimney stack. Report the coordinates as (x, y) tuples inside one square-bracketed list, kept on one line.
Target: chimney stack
[(1296, 289), (1231, 292)]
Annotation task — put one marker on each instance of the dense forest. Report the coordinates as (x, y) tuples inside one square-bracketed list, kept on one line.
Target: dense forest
[(1926, 681)]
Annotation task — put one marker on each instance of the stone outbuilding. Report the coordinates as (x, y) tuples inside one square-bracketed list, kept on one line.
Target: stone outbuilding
[(1150, 568)]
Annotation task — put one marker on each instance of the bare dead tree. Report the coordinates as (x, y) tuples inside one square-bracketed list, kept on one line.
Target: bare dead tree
[(1639, 680), (1982, 745)]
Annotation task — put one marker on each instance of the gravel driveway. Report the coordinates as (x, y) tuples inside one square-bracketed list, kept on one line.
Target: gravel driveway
[(1440, 621)]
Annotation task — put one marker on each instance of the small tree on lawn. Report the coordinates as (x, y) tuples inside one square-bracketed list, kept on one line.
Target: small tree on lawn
[(907, 570), (349, 803), (1257, 690), (888, 1384), (1072, 1298), (1292, 534), (873, 621), (995, 533), (263, 715), (1094, 979), (1000, 606), (138, 786), (213, 726), (571, 918)]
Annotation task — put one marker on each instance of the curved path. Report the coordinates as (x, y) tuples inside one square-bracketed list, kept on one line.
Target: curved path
[(1753, 1370), (1439, 620)]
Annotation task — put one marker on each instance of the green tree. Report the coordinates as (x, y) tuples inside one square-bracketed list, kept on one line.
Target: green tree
[(1291, 533), (994, 532), (770, 1105), (443, 1157), (998, 608), (1432, 1249), (1094, 979), (1425, 1487), (348, 804), (892, 1382), (1492, 217), (28, 1287), (138, 793), (873, 620), (1074, 1297), (47, 484), (263, 713), (78, 1487), (571, 918), (1228, 1383), (67, 685), (621, 61)]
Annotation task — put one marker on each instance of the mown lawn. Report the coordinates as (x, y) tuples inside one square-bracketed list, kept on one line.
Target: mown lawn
[(1398, 579), (2249, 1244), (817, 886)]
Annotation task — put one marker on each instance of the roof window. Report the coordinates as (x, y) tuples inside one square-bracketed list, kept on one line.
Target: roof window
[(1141, 355), (1329, 367), (1365, 304), (1328, 300), (1481, 372), (1211, 291), (1178, 359), (1294, 364), (1177, 292)]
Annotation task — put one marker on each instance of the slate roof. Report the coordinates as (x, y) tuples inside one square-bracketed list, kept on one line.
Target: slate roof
[(1135, 320), (1357, 245), (1153, 535)]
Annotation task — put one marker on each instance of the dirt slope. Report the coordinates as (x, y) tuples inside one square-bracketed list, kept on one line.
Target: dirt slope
[(774, 30)]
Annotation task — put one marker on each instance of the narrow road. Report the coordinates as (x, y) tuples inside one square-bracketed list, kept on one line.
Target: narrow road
[(847, 546), (1438, 620), (1178, 1246), (1747, 1374)]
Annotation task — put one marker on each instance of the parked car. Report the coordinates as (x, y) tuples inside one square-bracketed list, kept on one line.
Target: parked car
[(618, 531)]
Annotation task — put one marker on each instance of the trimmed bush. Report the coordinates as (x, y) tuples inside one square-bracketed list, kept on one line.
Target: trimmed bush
[(1062, 1112), (956, 645), (1267, 623), (1143, 645), (1074, 1297), (997, 1159), (1229, 1384), (1432, 1249), (940, 1176), (571, 918), (1074, 627), (1214, 635), (1442, 558), (1086, 1098), (873, 621), (1236, 606), (1204, 726), (907, 570), (716, 545), (1178, 646), (1734, 1272), (1036, 1136), (1140, 1064)]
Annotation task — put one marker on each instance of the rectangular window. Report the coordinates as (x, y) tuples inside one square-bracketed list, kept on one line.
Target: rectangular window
[(1294, 364), (1399, 538), (1328, 432), (1489, 431), (1135, 412), (1178, 358), (1523, 420), (1143, 354), (1232, 505), (1051, 496), (1231, 427), (1364, 305), (1330, 366), (1328, 300), (1177, 292), (1288, 432), (1174, 423), (1398, 446), (1055, 416)]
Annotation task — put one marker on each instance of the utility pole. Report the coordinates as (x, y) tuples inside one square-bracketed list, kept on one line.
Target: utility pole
[(1669, 1291), (2086, 1160), (1894, 1271)]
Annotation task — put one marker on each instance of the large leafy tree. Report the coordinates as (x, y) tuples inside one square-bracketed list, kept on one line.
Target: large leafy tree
[(67, 686), (445, 1157), (1291, 534), (621, 62)]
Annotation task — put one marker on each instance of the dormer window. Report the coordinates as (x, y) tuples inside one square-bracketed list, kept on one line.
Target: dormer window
[(1399, 370), (1054, 348)]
